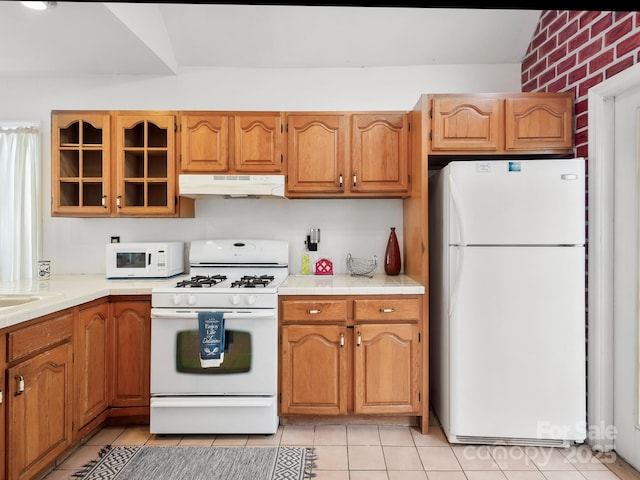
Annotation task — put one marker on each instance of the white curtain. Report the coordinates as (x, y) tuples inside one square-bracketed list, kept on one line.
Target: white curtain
[(19, 200)]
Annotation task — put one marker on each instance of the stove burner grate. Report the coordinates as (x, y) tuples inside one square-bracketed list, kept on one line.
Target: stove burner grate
[(200, 281), (252, 281)]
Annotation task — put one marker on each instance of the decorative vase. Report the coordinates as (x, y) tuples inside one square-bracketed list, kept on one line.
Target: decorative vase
[(392, 260)]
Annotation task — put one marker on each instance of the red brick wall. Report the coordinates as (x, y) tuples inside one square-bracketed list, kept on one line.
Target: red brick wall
[(573, 50)]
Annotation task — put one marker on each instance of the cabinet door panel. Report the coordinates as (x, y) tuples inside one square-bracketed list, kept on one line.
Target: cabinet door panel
[(258, 143), (131, 351), (379, 153), (314, 370), (92, 359), (387, 369), (316, 150), (205, 143), (81, 159), (39, 420), (145, 164), (466, 123), (539, 122)]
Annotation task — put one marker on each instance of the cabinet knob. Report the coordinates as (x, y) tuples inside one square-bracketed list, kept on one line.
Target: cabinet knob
[(0, 397), (314, 311), (386, 310), (20, 380)]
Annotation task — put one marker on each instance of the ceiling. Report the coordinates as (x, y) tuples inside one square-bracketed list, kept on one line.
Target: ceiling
[(164, 38)]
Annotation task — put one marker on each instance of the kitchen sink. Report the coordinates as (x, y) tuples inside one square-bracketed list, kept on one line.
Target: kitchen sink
[(16, 299)]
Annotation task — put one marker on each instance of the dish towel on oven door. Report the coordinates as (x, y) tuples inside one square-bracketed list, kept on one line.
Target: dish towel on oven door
[(211, 337)]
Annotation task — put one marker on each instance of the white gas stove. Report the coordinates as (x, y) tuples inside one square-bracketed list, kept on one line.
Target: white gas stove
[(238, 279), (227, 274)]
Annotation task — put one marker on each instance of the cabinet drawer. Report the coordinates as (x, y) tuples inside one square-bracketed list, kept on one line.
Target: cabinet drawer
[(314, 311), (27, 340), (386, 309)]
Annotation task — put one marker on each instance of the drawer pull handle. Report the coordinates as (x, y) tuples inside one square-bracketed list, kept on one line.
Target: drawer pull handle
[(342, 340), (118, 204), (359, 341), (340, 180), (104, 201), (314, 311), (20, 380), (386, 310), (0, 397)]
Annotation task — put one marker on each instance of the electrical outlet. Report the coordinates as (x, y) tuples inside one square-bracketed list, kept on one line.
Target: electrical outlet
[(115, 239)]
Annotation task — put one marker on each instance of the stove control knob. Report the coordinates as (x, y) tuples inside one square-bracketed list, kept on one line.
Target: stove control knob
[(191, 300), (176, 299), (235, 299), (251, 300)]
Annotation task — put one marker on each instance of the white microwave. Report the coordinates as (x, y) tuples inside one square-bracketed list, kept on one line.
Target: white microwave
[(145, 259)]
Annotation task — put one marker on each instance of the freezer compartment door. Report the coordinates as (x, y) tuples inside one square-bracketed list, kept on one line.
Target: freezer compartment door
[(517, 342), (517, 202)]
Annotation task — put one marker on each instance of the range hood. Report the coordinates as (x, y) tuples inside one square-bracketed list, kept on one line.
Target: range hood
[(231, 186)]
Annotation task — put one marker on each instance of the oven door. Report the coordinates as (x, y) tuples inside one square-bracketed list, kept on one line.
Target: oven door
[(250, 354)]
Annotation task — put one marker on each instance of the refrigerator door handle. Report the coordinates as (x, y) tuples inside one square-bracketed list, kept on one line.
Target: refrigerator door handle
[(456, 211), (455, 284), (457, 215)]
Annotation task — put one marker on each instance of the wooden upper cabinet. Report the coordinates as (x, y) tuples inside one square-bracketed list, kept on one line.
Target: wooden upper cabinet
[(228, 142), (348, 154), (520, 123), (461, 122), (539, 122), (204, 142), (115, 163), (257, 143), (145, 164), (81, 160), (379, 159), (316, 153)]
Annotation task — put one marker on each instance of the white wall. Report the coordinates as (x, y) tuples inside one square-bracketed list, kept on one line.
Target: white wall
[(356, 226)]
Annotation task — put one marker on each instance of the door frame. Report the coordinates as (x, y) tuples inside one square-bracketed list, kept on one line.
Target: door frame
[(601, 164)]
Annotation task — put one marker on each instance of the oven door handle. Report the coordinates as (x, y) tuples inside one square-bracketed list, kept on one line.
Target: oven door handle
[(193, 314)]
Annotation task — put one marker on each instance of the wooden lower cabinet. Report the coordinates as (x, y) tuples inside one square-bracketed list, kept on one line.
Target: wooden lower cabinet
[(386, 369), (40, 399), (337, 359), (3, 393), (314, 369), (131, 352), (91, 343)]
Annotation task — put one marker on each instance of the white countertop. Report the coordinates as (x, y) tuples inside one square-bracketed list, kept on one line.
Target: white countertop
[(345, 284), (66, 291)]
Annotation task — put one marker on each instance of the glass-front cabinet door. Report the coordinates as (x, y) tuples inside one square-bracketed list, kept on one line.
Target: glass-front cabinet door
[(80, 168), (145, 164)]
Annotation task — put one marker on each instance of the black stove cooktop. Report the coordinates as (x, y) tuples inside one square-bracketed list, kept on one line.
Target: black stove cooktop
[(208, 281)]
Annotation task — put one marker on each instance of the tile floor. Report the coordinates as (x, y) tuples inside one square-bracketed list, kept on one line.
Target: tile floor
[(372, 452)]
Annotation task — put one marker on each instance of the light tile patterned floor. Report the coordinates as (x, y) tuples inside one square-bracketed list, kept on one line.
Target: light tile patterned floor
[(372, 452)]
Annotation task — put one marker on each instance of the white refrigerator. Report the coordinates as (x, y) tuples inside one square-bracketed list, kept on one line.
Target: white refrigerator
[(507, 301)]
